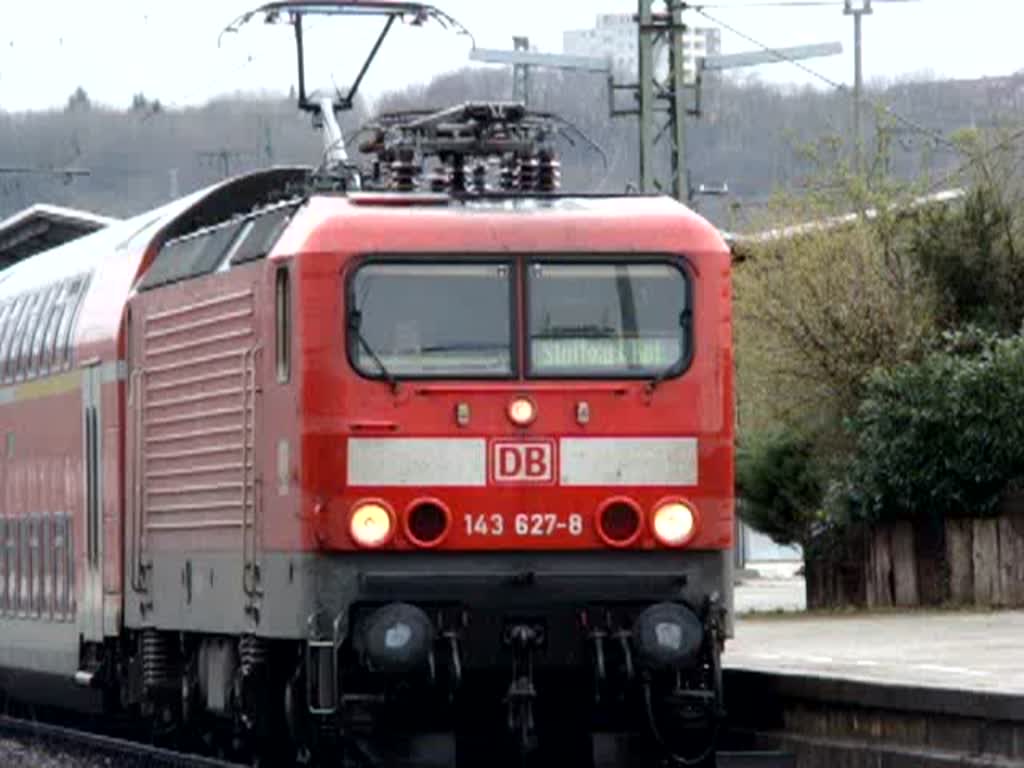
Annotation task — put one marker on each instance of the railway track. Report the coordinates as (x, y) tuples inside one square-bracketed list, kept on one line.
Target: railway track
[(93, 748), (88, 749)]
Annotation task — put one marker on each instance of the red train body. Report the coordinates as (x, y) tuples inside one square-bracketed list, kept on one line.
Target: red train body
[(392, 474), (192, 422)]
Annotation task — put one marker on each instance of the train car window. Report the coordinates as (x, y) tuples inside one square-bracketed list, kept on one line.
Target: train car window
[(29, 333), (24, 566), (5, 314), (69, 566), (607, 319), (432, 320), (24, 341), (46, 356), (52, 332), (191, 256), (62, 553), (12, 565), (263, 234), (40, 350), (283, 315), (14, 359), (6, 323), (10, 334), (35, 592), (38, 330), (46, 564), (62, 350), (3, 566)]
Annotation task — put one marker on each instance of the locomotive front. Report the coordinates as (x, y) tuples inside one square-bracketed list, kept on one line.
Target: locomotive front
[(515, 458)]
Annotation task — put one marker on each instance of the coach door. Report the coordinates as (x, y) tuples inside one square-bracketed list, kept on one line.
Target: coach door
[(91, 610)]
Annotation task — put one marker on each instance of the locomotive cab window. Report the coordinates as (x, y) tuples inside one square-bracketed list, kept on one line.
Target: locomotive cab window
[(432, 320), (607, 319)]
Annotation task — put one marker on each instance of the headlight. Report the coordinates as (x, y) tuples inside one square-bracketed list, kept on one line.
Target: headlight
[(371, 525), (522, 412), (674, 524)]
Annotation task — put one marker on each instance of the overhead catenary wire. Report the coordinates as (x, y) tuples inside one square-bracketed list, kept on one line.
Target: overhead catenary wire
[(842, 87), (792, 4), (972, 161)]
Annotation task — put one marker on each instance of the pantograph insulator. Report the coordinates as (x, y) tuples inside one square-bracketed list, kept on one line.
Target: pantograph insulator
[(508, 179), (480, 178), (404, 172), (440, 180), (529, 172), (458, 176), (549, 174)]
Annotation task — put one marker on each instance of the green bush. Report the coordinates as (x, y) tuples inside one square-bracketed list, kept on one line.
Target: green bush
[(940, 438), (970, 253), (780, 487)]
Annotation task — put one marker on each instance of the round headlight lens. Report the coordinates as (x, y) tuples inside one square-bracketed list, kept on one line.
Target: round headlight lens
[(674, 523), (371, 525), (522, 412)]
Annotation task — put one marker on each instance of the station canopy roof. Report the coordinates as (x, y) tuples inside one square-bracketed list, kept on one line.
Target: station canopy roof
[(42, 227)]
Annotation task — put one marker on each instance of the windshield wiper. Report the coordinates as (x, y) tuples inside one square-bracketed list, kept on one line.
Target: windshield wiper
[(577, 331), (685, 324), (468, 346), (660, 378), (355, 322)]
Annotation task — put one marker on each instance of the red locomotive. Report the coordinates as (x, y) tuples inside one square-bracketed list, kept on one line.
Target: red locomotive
[(411, 466)]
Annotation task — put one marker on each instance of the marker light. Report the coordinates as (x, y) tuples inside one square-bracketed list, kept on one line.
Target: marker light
[(522, 411), (371, 525), (427, 523), (619, 522), (674, 524)]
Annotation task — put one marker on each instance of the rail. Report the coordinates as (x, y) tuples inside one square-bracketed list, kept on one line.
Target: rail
[(119, 751)]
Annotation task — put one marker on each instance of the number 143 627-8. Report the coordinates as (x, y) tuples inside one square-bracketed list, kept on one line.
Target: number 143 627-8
[(531, 525)]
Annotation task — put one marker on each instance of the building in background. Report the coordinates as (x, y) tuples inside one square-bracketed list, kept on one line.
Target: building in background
[(615, 37)]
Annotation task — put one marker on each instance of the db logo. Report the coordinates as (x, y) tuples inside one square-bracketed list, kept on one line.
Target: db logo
[(523, 462)]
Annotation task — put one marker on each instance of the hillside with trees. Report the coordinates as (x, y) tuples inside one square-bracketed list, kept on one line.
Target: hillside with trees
[(881, 370), (752, 137), (880, 363)]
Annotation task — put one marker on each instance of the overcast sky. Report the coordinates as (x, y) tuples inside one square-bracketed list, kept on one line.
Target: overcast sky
[(115, 48)]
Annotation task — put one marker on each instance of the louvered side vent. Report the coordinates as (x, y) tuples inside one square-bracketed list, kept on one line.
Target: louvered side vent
[(198, 416)]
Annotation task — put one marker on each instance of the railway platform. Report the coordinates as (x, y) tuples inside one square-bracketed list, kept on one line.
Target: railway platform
[(959, 650), (923, 689)]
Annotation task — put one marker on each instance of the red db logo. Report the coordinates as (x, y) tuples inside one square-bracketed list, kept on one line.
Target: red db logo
[(523, 462)]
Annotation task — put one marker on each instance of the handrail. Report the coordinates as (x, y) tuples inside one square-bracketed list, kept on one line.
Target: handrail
[(135, 402), (249, 524)]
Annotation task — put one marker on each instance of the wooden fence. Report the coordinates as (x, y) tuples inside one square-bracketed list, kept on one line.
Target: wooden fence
[(968, 561)]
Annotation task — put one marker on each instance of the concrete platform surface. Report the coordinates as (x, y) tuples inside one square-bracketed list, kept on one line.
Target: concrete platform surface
[(968, 651), (762, 594)]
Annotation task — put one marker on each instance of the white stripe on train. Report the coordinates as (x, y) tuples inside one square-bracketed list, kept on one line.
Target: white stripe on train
[(462, 462)]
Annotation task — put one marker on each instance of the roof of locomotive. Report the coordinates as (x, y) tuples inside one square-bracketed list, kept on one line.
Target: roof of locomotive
[(391, 212), (86, 254), (563, 202)]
